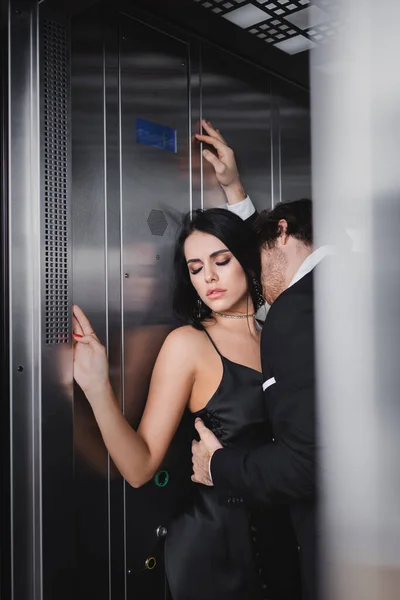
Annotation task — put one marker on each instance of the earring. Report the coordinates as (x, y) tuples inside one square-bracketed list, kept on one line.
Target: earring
[(258, 290), (198, 308)]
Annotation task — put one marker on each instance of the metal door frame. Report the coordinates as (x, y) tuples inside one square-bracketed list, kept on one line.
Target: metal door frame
[(5, 529), (22, 281)]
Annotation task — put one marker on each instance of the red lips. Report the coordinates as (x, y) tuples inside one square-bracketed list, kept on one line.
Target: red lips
[(215, 291)]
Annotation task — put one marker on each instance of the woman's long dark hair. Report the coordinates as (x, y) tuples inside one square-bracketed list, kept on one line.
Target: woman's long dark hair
[(237, 236)]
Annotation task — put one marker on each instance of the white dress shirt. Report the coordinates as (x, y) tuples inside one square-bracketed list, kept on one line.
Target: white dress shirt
[(311, 262), (243, 209)]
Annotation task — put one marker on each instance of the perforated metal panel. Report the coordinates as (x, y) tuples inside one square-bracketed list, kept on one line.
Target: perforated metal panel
[(55, 177)]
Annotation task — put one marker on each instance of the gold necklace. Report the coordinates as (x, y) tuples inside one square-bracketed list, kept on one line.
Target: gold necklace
[(214, 312)]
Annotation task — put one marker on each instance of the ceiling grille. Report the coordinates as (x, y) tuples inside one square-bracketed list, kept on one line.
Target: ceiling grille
[(291, 25)]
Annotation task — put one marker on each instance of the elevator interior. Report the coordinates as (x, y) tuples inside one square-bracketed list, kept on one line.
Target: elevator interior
[(102, 105)]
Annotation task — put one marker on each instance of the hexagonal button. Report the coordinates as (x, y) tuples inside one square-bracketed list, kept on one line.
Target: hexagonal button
[(157, 222)]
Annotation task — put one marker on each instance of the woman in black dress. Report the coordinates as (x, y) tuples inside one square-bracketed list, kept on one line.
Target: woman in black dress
[(211, 367)]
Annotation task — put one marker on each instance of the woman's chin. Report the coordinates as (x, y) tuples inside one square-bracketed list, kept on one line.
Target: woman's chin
[(221, 306)]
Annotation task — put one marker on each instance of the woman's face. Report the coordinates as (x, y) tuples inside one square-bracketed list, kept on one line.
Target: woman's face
[(216, 274)]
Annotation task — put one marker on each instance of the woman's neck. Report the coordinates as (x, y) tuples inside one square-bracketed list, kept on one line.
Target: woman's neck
[(246, 325)]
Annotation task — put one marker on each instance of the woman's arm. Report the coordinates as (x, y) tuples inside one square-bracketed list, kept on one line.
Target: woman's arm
[(88, 441), (137, 455)]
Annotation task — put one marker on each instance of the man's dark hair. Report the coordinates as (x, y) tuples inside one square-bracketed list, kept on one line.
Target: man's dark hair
[(297, 214)]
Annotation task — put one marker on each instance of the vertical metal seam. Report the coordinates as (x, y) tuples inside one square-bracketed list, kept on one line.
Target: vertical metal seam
[(279, 153), (10, 316), (106, 302), (105, 198), (30, 343), (37, 389), (201, 129), (122, 285), (190, 144), (272, 109), (32, 459)]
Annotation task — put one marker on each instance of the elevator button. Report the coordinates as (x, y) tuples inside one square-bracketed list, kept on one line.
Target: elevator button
[(150, 563), (161, 479), (161, 531), (156, 220)]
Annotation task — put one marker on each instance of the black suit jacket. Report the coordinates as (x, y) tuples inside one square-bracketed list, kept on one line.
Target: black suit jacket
[(284, 471)]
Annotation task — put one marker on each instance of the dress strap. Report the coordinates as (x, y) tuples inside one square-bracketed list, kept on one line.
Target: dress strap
[(212, 341)]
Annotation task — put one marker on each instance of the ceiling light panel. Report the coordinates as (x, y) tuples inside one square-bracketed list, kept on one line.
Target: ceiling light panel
[(295, 45), (246, 16), (276, 22), (308, 17)]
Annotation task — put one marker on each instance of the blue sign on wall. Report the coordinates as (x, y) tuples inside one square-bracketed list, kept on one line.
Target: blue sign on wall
[(158, 136)]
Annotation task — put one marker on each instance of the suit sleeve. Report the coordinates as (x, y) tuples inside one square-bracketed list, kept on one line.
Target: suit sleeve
[(282, 470)]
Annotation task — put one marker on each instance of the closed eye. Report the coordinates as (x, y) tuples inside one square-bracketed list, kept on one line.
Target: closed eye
[(219, 264)]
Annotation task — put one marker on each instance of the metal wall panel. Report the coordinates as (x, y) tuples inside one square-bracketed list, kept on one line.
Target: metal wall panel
[(114, 289), (5, 496), (156, 190), (294, 140), (78, 523), (90, 281), (195, 109), (25, 389), (236, 99), (40, 299)]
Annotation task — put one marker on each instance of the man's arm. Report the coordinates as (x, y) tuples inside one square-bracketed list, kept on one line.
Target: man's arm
[(272, 473), (224, 164), (283, 470)]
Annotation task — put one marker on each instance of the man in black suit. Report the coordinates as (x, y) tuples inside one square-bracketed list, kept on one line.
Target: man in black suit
[(283, 471)]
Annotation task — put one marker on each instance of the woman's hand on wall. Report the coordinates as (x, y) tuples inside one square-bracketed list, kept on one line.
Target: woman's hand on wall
[(90, 357)]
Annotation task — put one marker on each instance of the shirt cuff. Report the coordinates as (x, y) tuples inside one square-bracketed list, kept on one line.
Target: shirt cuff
[(243, 209)]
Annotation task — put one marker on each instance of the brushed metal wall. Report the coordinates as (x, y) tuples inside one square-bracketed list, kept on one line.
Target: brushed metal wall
[(156, 191), (25, 349), (294, 151), (236, 98), (41, 432), (90, 289), (129, 197), (79, 526)]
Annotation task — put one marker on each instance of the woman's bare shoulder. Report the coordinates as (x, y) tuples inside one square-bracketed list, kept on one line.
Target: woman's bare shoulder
[(186, 337), (184, 346)]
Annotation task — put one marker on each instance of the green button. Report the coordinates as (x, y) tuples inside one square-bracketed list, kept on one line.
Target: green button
[(161, 479)]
